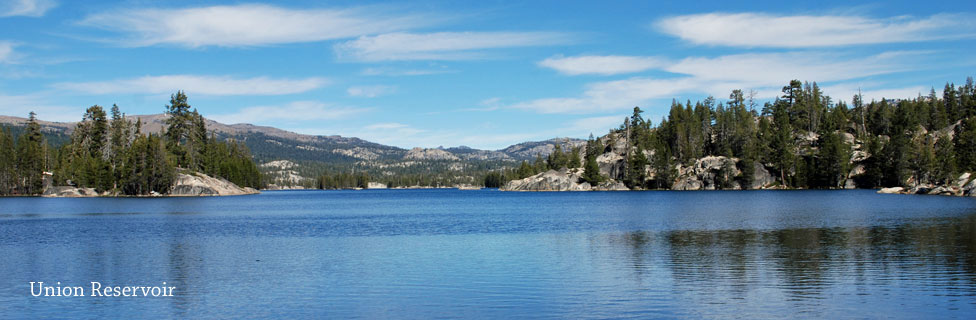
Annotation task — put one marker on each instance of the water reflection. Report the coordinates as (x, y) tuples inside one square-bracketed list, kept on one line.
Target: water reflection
[(441, 254), (803, 266)]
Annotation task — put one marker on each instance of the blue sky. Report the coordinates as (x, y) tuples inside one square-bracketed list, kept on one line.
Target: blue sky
[(484, 74)]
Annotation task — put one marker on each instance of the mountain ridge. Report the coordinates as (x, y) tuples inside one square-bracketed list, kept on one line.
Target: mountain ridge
[(314, 155), (154, 123)]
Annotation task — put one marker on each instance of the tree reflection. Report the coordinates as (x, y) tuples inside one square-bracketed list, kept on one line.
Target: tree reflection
[(931, 255)]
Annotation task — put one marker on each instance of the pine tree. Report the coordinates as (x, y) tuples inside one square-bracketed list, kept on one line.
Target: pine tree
[(781, 143), (832, 159), (557, 159), (591, 169), (965, 145), (30, 158), (178, 127), (525, 170), (8, 161), (945, 160), (574, 158), (636, 172)]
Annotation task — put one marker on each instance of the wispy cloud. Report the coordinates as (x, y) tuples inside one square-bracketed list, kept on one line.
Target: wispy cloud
[(371, 91), (26, 8), (404, 72), (6, 52), (441, 45), (803, 31), (595, 125), (765, 72), (760, 69), (602, 65), (612, 95), (873, 91), (197, 84), (295, 111), (248, 25), (22, 105)]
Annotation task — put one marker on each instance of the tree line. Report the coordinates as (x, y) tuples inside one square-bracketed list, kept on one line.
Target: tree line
[(807, 139), (113, 154), (804, 138)]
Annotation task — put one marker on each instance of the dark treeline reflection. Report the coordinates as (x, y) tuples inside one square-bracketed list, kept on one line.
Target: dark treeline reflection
[(937, 257)]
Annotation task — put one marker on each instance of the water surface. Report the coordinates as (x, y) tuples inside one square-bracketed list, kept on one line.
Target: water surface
[(478, 254)]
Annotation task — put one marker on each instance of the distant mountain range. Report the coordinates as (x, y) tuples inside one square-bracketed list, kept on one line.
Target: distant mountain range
[(311, 154)]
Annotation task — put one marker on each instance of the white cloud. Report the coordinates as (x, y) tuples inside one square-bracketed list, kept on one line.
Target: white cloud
[(197, 84), (602, 65), (371, 91), (295, 111), (764, 69), (440, 45), (27, 8), (803, 31), (764, 72), (248, 25)]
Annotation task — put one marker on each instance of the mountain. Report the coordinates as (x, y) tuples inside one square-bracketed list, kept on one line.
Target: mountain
[(529, 150), (308, 156)]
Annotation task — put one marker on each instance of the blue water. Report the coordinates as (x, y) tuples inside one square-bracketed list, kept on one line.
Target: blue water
[(380, 254)]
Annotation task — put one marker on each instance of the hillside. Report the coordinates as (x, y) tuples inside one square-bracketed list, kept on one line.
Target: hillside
[(308, 156)]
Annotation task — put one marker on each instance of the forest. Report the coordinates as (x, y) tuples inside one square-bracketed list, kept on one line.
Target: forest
[(805, 138), (110, 153)]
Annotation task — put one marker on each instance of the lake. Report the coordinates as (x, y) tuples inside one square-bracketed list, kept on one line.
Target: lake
[(448, 253)]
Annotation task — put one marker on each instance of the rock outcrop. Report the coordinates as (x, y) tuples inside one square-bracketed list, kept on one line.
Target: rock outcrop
[(610, 185), (184, 185), (716, 172), (429, 154), (551, 180), (375, 185), (611, 165), (198, 184), (69, 192), (965, 185)]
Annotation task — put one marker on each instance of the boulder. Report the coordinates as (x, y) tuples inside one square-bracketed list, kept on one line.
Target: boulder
[(761, 178), (891, 190), (970, 188), (611, 185), (611, 165), (921, 189), (551, 180), (687, 183), (376, 185), (198, 184), (705, 174), (962, 180), (849, 138), (849, 184)]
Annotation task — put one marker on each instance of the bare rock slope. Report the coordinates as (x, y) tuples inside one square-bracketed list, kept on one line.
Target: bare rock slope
[(198, 184)]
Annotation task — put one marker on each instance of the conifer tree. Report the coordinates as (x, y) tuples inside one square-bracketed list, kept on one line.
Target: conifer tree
[(30, 158), (8, 161), (945, 160)]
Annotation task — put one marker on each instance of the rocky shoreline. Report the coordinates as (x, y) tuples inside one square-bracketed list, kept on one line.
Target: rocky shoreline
[(964, 186), (563, 180), (192, 184)]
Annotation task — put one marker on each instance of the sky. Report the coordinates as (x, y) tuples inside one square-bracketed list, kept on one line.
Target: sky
[(483, 74)]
